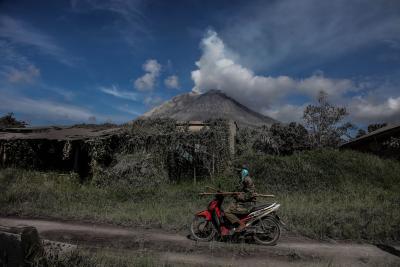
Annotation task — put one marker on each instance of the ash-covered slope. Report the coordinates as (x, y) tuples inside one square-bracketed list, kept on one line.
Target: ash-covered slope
[(210, 105)]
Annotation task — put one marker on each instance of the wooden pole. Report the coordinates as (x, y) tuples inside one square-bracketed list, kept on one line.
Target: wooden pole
[(219, 193), (212, 188), (232, 193)]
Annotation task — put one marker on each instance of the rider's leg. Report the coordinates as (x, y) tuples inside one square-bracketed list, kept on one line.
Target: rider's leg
[(230, 214)]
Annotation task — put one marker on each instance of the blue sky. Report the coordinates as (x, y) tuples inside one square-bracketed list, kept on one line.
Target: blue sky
[(65, 62)]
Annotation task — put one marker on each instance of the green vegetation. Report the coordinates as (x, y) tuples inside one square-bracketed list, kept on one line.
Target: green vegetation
[(324, 194), (160, 149)]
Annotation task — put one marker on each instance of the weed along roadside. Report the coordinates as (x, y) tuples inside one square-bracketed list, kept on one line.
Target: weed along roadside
[(325, 194)]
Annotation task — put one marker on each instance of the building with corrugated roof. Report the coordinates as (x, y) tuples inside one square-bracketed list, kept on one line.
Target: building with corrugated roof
[(383, 142), (50, 148)]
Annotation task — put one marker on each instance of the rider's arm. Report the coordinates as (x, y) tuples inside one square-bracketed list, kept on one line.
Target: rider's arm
[(248, 189)]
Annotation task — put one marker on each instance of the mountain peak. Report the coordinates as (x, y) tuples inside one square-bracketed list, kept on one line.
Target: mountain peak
[(212, 104), (215, 91)]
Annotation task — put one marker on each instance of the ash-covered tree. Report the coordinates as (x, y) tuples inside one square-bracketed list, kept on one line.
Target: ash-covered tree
[(325, 123), (290, 137), (360, 132), (263, 141), (375, 126), (280, 139), (9, 121)]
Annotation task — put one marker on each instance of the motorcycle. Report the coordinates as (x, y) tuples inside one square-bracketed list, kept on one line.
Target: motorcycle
[(262, 223)]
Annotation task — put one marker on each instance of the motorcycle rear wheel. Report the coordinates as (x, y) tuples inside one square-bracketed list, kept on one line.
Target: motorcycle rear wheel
[(202, 229), (267, 231)]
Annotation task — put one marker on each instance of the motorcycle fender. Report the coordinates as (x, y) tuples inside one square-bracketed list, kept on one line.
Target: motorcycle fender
[(274, 217), (206, 214)]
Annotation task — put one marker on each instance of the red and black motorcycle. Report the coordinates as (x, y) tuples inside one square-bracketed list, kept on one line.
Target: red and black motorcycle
[(262, 223)]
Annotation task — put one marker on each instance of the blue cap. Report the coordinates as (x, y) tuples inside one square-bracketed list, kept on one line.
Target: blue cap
[(244, 173)]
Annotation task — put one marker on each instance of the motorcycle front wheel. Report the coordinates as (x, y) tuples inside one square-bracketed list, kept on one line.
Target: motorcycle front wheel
[(267, 231), (202, 229)]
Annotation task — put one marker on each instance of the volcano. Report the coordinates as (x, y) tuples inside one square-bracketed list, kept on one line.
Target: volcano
[(213, 104)]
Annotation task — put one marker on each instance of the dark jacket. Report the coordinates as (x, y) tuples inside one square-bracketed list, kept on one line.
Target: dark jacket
[(249, 190)]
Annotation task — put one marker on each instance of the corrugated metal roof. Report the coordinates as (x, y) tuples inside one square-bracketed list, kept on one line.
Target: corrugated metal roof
[(380, 131), (56, 133)]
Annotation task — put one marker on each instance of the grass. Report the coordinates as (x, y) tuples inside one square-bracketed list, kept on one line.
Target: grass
[(29, 193), (324, 194)]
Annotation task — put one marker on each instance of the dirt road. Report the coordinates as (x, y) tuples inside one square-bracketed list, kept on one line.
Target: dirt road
[(178, 248)]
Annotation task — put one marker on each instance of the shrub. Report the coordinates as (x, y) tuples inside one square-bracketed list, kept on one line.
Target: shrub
[(8, 121), (137, 169), (319, 170), (279, 139)]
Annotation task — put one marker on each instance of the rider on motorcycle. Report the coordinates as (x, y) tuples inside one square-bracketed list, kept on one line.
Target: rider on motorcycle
[(243, 201)]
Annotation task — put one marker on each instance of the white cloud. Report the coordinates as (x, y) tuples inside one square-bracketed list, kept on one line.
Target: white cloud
[(145, 83), (217, 69), (333, 87), (64, 93), (9, 56), (148, 81), (172, 82), (54, 112), (128, 19), (300, 34), (152, 66), (367, 110), (27, 75), (286, 112), (21, 33), (115, 91), (44, 109), (14, 67)]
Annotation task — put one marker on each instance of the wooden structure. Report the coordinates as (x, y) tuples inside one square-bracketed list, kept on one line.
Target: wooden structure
[(196, 126), (82, 148), (50, 148), (379, 142)]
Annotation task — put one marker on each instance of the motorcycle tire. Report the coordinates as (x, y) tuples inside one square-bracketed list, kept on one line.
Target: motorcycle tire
[(208, 231), (269, 228)]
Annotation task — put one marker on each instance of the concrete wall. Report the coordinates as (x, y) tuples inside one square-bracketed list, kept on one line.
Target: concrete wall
[(17, 249)]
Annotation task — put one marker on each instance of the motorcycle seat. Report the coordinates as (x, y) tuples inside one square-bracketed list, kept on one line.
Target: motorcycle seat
[(260, 207)]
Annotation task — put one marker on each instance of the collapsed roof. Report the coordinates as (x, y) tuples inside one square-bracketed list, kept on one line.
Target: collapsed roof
[(58, 133)]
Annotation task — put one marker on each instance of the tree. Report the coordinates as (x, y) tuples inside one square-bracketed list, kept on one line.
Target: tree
[(375, 126), (8, 121), (290, 137), (324, 121), (280, 139), (263, 141), (361, 132)]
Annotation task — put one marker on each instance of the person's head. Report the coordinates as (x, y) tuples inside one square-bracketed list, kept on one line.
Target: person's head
[(244, 172)]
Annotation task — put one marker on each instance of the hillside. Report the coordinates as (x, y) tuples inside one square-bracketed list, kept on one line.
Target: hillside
[(210, 105)]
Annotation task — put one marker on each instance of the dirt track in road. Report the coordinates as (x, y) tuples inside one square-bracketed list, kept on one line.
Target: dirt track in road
[(177, 248)]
